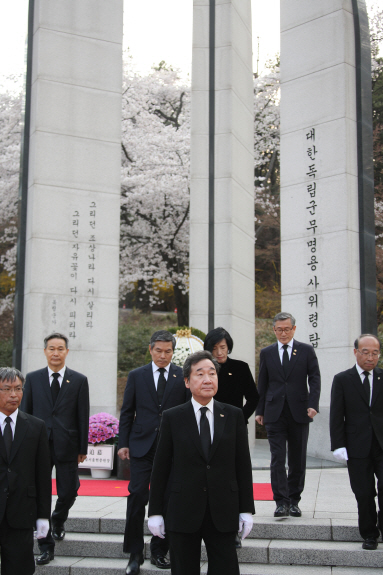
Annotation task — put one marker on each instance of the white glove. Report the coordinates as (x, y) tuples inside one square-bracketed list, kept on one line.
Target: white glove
[(42, 528), (245, 524), (156, 526), (340, 454)]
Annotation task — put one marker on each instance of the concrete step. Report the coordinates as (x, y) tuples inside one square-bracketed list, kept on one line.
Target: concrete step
[(264, 527), (266, 551), (102, 566)]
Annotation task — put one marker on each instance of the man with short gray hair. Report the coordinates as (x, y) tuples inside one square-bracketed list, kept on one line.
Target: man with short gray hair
[(149, 390), (25, 478), (286, 407)]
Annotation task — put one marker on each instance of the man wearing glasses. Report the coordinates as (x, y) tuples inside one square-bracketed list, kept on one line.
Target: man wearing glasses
[(289, 389), (356, 430)]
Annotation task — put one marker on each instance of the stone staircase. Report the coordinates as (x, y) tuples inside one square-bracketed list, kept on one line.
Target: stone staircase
[(93, 546)]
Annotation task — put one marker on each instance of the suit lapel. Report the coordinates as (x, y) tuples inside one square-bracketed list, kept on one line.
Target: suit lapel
[(64, 386), (357, 382), (220, 418), (277, 360), (3, 451), (377, 383), (149, 381), (294, 356), (46, 385), (191, 423), (20, 431), (169, 385)]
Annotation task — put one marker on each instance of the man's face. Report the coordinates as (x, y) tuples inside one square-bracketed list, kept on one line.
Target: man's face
[(162, 353), (203, 381), (11, 393), (367, 355), (220, 351), (284, 330), (56, 353)]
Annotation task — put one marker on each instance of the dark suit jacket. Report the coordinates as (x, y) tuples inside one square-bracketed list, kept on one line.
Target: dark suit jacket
[(68, 421), (25, 480), (141, 414), (274, 387), (235, 382), (352, 420), (225, 479)]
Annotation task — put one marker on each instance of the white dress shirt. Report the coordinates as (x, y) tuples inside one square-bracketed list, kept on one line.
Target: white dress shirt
[(156, 373), (13, 417), (370, 377), (209, 414), (289, 349), (60, 377)]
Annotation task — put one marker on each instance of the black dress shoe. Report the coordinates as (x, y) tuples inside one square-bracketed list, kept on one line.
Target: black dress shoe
[(295, 511), (238, 542), (370, 544), (45, 558), (160, 561), (133, 567), (281, 511), (58, 532)]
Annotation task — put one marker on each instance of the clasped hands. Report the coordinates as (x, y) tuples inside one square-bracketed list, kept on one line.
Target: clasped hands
[(156, 525)]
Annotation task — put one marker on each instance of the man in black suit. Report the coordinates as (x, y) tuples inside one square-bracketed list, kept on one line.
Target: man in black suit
[(356, 430), (149, 390), (203, 448), (25, 478), (60, 396), (286, 407)]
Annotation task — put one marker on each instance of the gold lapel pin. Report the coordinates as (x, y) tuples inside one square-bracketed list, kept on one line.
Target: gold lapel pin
[(67, 380), (174, 375), (221, 414), (230, 374)]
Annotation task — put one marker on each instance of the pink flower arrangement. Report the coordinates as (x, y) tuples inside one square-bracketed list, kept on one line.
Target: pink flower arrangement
[(103, 428)]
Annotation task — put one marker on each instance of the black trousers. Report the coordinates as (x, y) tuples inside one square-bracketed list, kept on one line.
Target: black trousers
[(140, 472), (287, 489), (67, 483), (362, 473), (16, 550), (185, 550)]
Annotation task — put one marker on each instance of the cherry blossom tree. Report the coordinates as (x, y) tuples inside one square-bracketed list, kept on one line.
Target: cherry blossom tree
[(155, 186)]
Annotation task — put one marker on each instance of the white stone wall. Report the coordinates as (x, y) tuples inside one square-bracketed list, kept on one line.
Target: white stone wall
[(72, 250), (234, 189), (318, 93)]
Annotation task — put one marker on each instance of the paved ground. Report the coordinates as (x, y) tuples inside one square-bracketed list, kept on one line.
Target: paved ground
[(327, 493)]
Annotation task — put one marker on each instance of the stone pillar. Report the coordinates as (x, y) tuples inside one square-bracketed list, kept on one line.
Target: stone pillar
[(320, 239), (72, 238), (233, 175)]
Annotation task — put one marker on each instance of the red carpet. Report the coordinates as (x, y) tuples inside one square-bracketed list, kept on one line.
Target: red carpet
[(115, 488)]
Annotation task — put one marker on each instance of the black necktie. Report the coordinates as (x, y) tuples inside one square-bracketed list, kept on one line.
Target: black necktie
[(285, 359), (366, 385), (7, 436), (204, 431), (161, 384), (55, 387)]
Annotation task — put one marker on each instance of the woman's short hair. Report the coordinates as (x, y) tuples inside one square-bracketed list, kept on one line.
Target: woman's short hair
[(215, 336)]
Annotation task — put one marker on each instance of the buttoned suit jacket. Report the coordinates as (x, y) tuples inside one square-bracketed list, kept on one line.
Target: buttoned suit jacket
[(352, 419), (224, 480), (67, 421), (141, 413), (25, 479), (300, 386)]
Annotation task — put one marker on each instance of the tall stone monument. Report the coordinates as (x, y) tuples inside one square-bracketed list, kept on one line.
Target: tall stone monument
[(222, 167), (327, 193), (68, 263)]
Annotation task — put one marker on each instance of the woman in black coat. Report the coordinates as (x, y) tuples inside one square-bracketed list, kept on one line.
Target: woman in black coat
[(235, 380)]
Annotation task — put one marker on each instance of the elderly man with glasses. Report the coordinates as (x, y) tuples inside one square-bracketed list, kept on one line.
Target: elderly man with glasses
[(356, 429), (289, 389)]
